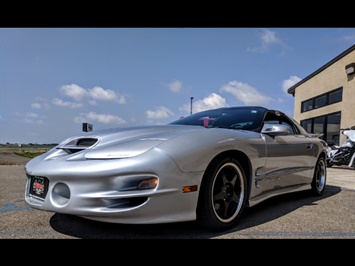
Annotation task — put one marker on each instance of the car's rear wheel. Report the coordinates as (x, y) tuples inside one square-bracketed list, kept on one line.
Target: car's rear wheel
[(223, 195), (328, 163), (319, 177)]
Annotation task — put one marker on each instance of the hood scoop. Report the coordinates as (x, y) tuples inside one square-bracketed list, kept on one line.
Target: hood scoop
[(78, 144)]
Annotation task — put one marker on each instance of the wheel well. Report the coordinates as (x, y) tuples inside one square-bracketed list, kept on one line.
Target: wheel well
[(322, 155), (242, 159)]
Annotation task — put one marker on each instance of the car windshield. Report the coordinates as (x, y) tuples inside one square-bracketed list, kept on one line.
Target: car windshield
[(247, 118)]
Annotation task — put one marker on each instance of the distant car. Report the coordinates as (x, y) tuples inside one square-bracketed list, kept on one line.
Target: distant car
[(206, 167)]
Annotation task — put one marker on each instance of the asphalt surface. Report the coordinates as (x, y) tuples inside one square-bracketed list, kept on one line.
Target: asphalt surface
[(293, 216)]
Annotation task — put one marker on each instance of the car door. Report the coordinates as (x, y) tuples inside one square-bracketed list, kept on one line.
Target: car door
[(289, 158)]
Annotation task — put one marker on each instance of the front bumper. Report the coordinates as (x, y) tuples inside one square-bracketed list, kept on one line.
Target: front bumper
[(105, 190)]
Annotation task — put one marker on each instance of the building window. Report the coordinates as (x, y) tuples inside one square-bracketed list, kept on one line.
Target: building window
[(322, 100), (319, 124), (307, 125), (335, 96), (328, 125), (307, 105), (333, 128)]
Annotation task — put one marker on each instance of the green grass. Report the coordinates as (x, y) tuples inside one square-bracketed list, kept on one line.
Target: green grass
[(29, 154), (26, 148)]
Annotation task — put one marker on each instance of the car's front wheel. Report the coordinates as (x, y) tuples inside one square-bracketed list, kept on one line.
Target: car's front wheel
[(223, 195)]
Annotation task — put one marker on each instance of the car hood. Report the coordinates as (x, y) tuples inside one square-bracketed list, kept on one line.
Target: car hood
[(120, 142)]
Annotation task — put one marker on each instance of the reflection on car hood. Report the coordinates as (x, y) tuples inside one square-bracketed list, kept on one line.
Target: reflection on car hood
[(123, 142), (128, 133)]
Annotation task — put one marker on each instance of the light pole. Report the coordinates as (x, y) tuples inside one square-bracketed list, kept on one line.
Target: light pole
[(191, 98)]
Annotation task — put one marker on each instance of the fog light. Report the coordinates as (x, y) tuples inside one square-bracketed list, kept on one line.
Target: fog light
[(148, 183), (60, 194)]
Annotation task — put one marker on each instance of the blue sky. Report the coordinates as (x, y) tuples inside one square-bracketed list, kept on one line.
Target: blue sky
[(54, 79)]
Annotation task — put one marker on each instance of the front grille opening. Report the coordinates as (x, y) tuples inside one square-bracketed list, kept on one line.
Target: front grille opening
[(124, 203), (77, 145)]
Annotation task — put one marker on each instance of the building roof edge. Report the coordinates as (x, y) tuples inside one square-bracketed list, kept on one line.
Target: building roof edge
[(292, 89)]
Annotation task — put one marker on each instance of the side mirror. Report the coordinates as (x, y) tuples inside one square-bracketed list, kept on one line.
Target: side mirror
[(275, 129)]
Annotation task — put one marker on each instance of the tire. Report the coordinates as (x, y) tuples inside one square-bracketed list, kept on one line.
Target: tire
[(329, 165), (223, 195), (353, 166), (319, 177)]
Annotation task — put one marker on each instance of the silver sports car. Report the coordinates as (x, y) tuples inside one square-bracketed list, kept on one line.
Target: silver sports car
[(206, 167)]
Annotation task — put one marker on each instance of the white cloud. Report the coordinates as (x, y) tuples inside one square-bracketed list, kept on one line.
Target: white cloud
[(159, 113), (97, 93), (212, 101), (40, 103), (288, 83), (31, 118), (175, 86), (61, 103), (349, 38), (80, 119), (246, 93), (101, 118), (74, 91), (32, 121), (36, 105), (280, 100), (31, 115), (267, 38)]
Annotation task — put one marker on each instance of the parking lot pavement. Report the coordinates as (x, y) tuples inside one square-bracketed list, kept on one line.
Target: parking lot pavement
[(289, 216), (341, 176)]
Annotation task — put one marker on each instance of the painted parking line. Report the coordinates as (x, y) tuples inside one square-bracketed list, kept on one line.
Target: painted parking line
[(8, 207)]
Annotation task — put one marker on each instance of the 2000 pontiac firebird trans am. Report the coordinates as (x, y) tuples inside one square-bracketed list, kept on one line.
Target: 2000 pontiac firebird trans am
[(206, 167)]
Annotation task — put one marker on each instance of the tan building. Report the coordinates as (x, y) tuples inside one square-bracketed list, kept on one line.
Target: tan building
[(324, 101)]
